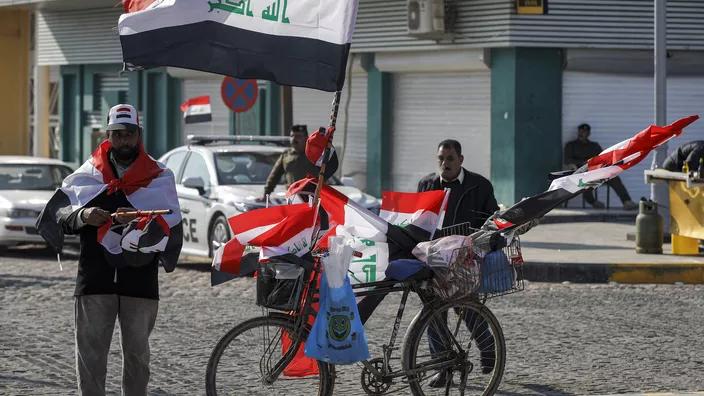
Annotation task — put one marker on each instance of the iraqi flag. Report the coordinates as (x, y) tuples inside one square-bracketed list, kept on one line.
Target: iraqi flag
[(599, 169), (197, 110), (278, 230), (301, 43), (424, 210), (147, 185)]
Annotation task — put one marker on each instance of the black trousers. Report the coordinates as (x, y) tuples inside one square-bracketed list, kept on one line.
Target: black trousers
[(614, 183)]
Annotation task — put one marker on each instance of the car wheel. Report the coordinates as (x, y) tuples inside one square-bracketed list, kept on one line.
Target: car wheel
[(219, 234)]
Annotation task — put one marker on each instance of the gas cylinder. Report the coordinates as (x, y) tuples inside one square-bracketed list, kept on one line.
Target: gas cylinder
[(649, 228)]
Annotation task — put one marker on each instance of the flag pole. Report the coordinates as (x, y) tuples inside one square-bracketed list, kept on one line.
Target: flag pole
[(328, 149)]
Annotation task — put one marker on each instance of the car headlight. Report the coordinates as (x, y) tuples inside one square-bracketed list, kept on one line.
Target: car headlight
[(18, 213)]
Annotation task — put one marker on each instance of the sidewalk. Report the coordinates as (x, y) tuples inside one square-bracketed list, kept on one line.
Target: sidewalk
[(583, 246)]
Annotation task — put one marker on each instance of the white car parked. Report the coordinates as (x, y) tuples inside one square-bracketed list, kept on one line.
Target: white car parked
[(220, 176), (26, 184)]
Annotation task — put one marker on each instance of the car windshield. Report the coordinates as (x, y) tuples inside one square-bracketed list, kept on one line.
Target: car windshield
[(248, 168), (32, 177)]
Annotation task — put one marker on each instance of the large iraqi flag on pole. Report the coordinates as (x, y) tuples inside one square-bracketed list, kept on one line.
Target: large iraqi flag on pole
[(299, 43)]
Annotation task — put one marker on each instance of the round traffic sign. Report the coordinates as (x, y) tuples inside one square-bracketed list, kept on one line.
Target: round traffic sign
[(239, 95)]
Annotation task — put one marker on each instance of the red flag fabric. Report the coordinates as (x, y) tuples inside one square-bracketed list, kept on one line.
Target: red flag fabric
[(316, 144), (630, 152), (424, 209), (277, 230), (136, 5)]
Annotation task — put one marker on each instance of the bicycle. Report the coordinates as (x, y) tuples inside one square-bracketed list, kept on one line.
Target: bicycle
[(454, 333)]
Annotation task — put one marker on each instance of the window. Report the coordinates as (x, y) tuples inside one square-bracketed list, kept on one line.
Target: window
[(175, 160), (32, 177), (196, 167), (244, 168)]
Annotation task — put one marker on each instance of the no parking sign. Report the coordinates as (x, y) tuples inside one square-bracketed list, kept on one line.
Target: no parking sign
[(239, 95)]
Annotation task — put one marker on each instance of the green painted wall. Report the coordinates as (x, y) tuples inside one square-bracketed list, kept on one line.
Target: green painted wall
[(526, 120), (379, 127)]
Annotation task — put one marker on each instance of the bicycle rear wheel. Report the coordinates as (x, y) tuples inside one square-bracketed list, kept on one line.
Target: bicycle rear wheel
[(243, 360), (463, 354)]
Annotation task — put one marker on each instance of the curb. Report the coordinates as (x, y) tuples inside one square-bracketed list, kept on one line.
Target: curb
[(664, 273)]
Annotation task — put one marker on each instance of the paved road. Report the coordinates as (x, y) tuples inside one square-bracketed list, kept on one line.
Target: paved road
[(562, 339)]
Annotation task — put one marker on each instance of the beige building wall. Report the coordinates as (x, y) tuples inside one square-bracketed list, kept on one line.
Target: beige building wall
[(14, 81)]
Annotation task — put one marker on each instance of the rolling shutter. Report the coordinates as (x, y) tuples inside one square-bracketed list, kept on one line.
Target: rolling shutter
[(431, 107)]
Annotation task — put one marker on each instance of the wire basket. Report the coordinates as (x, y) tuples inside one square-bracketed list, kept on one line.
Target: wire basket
[(501, 271), (480, 268), (279, 285)]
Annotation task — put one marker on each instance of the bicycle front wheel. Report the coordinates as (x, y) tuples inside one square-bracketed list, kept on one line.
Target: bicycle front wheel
[(247, 360), (456, 349)]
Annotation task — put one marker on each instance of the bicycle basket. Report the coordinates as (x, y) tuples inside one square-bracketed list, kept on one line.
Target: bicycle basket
[(501, 271), (460, 278), (279, 285)]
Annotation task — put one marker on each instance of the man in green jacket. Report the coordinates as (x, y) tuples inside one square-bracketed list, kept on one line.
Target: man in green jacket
[(293, 163)]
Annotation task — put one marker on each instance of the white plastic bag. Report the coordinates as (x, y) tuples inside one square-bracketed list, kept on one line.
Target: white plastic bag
[(438, 252), (337, 262)]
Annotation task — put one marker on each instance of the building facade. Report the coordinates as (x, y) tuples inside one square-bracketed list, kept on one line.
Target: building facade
[(511, 88)]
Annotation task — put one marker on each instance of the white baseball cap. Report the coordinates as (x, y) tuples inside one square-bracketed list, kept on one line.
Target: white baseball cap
[(123, 116)]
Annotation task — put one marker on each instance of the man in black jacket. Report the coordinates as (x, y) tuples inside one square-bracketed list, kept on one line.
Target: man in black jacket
[(690, 153), (471, 195), (471, 201), (110, 283)]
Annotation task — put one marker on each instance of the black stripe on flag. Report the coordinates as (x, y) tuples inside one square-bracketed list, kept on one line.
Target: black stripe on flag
[(195, 118), (217, 48)]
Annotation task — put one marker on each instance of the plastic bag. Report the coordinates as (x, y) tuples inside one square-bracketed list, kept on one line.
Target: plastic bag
[(497, 275), (438, 252), (337, 335)]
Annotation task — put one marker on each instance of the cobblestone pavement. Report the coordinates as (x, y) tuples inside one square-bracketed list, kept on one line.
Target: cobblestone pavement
[(561, 339)]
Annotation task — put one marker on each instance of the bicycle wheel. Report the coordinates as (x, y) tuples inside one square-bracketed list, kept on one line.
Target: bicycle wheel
[(243, 360), (456, 349)]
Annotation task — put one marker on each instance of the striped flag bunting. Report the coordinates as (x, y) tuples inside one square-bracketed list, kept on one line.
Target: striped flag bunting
[(197, 110), (608, 164), (301, 43), (147, 185), (278, 230)]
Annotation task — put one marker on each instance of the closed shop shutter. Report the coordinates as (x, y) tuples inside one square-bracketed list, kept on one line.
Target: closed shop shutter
[(220, 125), (312, 107), (431, 107), (618, 106), (78, 36)]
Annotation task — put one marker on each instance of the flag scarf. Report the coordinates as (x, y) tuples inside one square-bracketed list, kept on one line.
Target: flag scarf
[(300, 43), (135, 5), (607, 165), (197, 110), (147, 185), (278, 230), (424, 210)]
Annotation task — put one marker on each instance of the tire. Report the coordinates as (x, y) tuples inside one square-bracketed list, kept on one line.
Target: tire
[(237, 361), (218, 233), (416, 350)]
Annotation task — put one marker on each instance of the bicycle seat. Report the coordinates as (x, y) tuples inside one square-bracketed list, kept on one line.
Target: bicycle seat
[(405, 269)]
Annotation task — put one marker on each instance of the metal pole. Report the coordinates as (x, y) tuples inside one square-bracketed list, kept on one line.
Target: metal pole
[(658, 192)]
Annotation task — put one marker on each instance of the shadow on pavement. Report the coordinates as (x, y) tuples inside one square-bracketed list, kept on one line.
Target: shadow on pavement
[(571, 246)]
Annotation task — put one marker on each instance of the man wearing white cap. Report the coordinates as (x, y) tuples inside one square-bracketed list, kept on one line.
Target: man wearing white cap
[(120, 253)]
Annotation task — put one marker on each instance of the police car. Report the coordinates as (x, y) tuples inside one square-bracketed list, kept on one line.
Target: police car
[(220, 176), (26, 184)]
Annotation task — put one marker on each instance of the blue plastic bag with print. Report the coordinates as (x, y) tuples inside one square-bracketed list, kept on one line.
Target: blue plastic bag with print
[(337, 335)]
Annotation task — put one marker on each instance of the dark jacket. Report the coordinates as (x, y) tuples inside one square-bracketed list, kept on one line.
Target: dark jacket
[(690, 153), (577, 153), (472, 201)]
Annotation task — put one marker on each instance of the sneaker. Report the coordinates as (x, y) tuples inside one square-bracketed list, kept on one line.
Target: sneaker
[(630, 205), (440, 380), (598, 205)]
